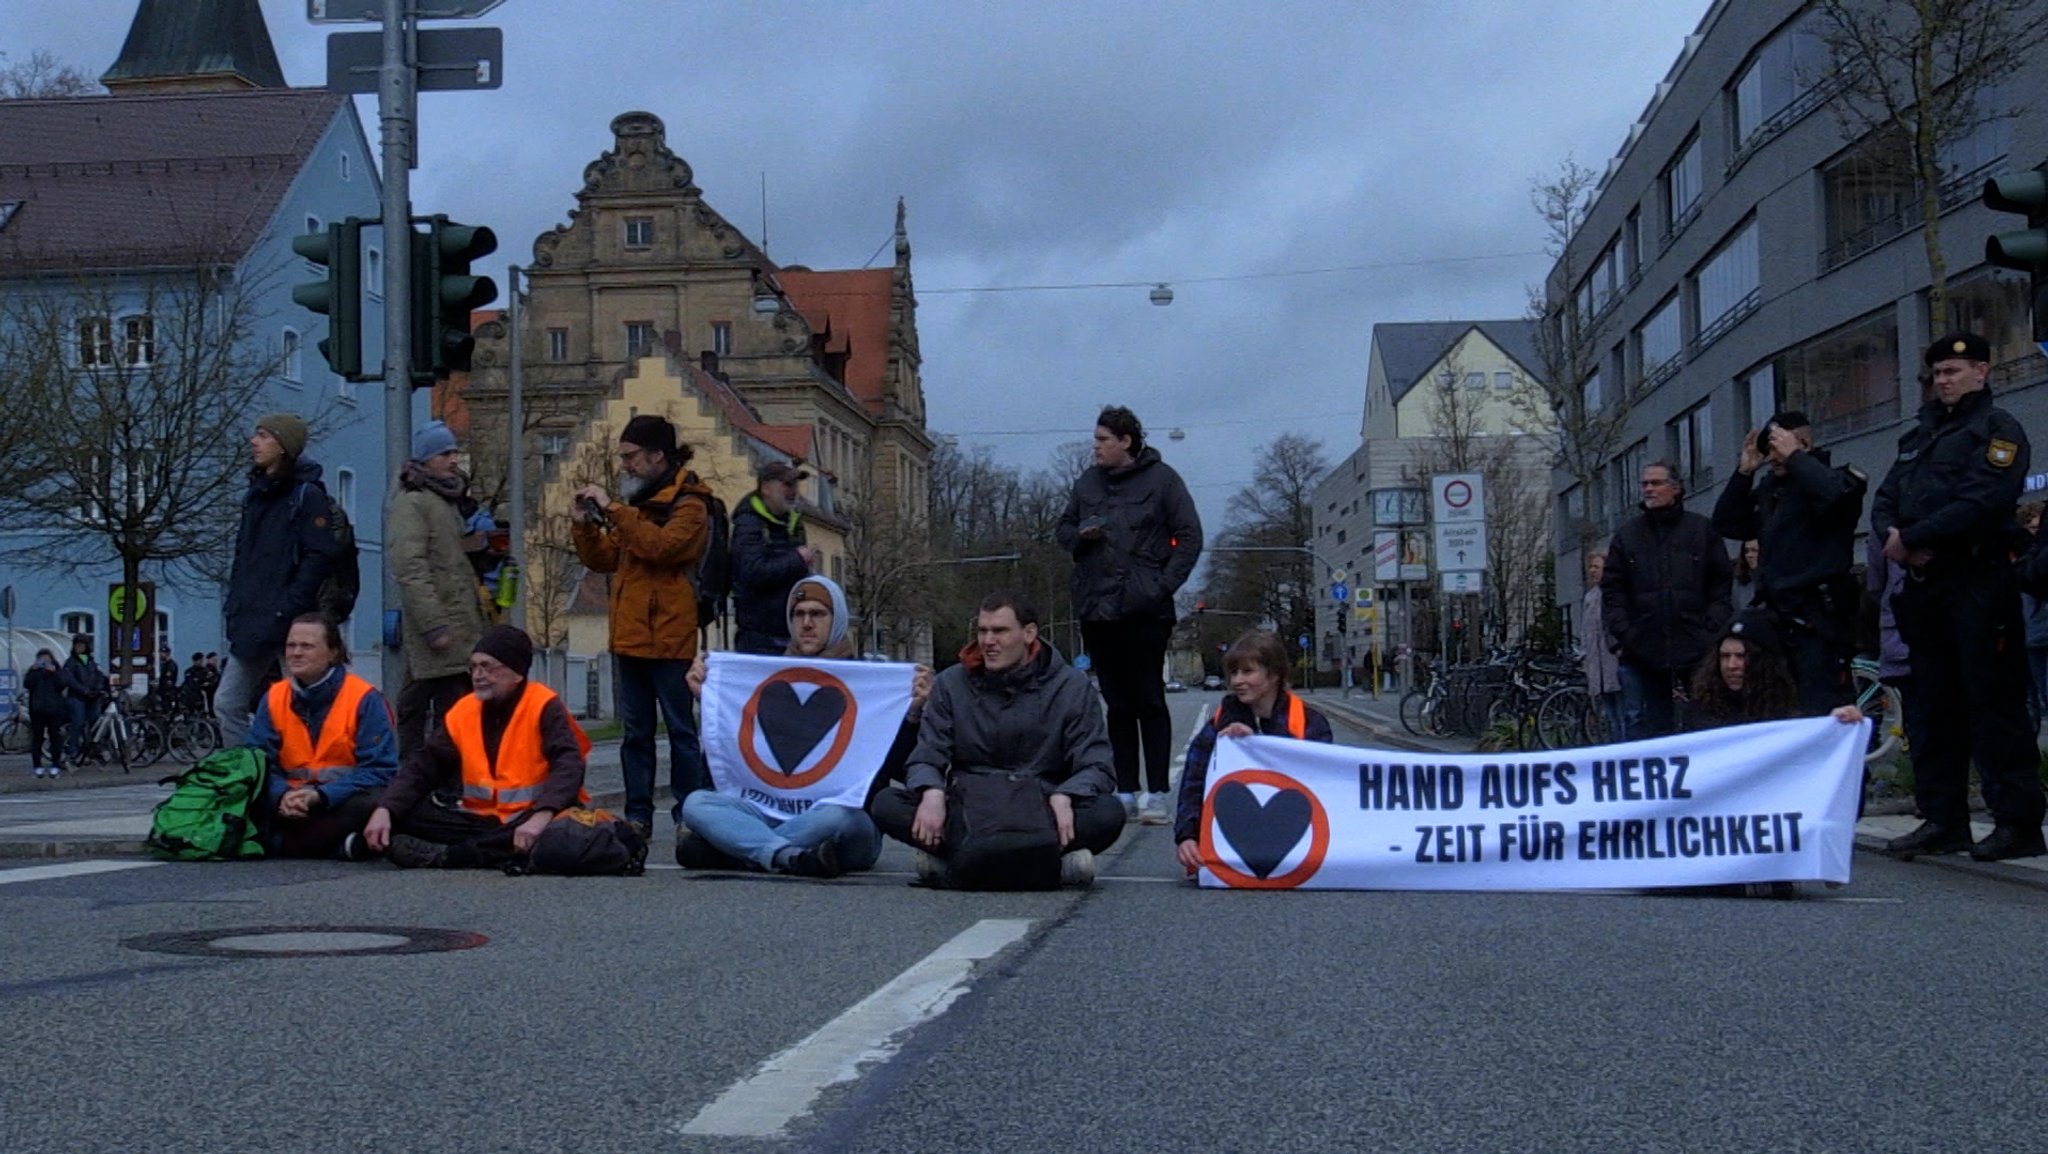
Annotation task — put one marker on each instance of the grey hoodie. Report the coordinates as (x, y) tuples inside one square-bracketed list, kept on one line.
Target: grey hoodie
[(1042, 716)]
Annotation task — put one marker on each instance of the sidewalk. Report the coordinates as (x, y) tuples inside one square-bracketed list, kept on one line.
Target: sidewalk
[(101, 812)]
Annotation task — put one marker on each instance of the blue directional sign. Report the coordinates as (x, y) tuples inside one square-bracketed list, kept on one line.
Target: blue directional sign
[(1340, 592), (1302, 641)]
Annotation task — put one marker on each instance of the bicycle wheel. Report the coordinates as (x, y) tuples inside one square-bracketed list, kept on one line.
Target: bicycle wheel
[(1880, 703), (1415, 712), (13, 736), (146, 742), (1563, 720)]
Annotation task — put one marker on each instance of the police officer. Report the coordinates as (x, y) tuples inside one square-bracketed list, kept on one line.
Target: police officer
[(1803, 513), (1943, 511)]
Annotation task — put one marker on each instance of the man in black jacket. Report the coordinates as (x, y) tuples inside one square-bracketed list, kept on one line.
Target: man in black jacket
[(768, 558), (1664, 601), (1945, 511), (284, 549), (1135, 536), (1803, 513)]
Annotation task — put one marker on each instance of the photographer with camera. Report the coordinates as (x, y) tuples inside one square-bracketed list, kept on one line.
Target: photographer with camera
[(1803, 512), (649, 542)]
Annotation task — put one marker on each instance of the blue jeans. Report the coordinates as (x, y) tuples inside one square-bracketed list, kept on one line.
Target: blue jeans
[(737, 829), (1612, 716), (1646, 706), (640, 683)]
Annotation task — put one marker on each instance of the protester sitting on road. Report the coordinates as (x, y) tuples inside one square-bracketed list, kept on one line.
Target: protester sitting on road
[(1744, 680), (724, 831), (331, 744), (1259, 703), (518, 754), (1012, 784)]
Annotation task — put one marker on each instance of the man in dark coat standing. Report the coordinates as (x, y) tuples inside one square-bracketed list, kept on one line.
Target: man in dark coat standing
[(1135, 537), (768, 558), (1945, 512), (284, 548), (1664, 600)]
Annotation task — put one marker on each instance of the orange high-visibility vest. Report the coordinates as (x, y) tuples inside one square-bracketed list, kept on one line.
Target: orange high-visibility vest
[(1297, 718), (509, 788), (305, 759)]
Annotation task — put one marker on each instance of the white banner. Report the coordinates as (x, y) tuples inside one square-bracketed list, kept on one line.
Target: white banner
[(786, 733), (1751, 803)]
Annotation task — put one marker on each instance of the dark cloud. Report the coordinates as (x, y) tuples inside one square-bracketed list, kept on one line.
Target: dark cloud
[(1066, 143)]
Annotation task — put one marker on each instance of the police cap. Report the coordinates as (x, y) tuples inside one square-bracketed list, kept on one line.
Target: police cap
[(1966, 346)]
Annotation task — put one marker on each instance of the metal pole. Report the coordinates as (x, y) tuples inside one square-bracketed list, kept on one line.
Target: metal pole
[(395, 100), (515, 471)]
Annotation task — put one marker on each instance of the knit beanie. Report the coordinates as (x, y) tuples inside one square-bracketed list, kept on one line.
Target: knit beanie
[(651, 432), (290, 431), (433, 439), (509, 645)]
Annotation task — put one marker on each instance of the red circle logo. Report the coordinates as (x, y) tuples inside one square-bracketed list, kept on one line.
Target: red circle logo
[(1263, 834), (793, 729)]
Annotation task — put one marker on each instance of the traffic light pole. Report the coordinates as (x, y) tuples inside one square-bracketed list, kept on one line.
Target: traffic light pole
[(397, 97)]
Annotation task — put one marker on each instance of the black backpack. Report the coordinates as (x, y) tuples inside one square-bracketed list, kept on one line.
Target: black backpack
[(344, 582), (712, 578)]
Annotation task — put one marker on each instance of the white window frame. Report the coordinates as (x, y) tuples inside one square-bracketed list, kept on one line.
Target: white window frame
[(558, 345), (291, 354), (136, 353), (633, 224), (95, 342), (373, 273), (345, 491), (721, 338)]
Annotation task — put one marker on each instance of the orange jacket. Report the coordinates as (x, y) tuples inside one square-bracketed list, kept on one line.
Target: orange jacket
[(1297, 718), (650, 550), (507, 789), (309, 761)]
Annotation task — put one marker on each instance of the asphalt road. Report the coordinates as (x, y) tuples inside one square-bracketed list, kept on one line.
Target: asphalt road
[(1902, 1013)]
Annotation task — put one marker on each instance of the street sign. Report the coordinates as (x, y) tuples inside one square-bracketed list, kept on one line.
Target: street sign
[(1082, 662), (1458, 497), (450, 60), (1340, 592), (1462, 583), (372, 11), (1460, 546), (1337, 576), (1302, 641), (1395, 508), (1365, 596)]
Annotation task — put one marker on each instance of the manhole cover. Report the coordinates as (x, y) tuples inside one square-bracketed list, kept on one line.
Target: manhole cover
[(307, 941)]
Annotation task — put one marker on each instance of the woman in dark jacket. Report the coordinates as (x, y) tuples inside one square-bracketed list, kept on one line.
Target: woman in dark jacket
[(47, 712), (1135, 537)]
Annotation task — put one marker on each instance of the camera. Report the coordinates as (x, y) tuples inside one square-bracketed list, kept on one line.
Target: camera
[(589, 508), (1763, 440)]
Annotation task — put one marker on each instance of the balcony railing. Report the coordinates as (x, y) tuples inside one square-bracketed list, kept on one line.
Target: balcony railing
[(1956, 191), (1726, 321)]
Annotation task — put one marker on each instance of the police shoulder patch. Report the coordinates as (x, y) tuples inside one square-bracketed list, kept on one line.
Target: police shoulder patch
[(2001, 453)]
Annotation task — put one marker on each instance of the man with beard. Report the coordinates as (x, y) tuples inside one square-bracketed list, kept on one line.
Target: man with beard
[(441, 617), (649, 542), (1803, 513)]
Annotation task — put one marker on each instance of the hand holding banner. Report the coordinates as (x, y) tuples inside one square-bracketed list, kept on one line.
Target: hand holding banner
[(1752, 803)]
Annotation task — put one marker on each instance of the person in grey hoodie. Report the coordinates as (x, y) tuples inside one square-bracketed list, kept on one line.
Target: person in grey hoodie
[(1135, 536), (1011, 707)]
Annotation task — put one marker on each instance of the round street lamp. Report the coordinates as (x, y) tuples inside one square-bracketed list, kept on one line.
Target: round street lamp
[(1162, 295)]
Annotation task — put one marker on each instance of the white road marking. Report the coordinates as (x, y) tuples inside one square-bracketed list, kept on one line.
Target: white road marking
[(70, 869), (786, 1085)]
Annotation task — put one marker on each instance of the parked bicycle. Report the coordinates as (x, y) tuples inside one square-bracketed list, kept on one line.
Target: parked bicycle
[(1882, 704), (115, 738)]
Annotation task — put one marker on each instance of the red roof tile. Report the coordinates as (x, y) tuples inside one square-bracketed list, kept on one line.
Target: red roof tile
[(851, 308)]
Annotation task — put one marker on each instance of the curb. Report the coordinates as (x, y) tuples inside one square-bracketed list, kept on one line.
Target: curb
[(2034, 879)]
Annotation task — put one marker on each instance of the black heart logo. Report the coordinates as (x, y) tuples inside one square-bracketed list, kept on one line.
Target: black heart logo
[(794, 728), (1263, 834)]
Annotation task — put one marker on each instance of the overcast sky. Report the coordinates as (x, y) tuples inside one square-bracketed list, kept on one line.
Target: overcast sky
[(1061, 144)]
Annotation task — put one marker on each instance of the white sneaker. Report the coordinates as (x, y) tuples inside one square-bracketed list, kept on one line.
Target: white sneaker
[(40, 771), (1130, 801), (1153, 811), (1077, 868), (55, 770)]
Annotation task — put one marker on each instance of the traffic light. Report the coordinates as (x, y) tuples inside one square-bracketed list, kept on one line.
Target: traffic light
[(444, 293), (339, 297), (2024, 249)]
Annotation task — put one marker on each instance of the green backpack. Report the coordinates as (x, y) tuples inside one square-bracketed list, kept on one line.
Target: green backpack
[(208, 817)]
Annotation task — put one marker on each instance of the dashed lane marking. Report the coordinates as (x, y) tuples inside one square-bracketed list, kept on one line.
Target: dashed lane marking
[(69, 870), (788, 1084)]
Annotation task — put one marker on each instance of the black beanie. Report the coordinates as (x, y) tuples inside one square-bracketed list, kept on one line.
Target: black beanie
[(509, 645), (651, 432)]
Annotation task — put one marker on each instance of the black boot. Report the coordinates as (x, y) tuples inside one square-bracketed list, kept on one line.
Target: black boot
[(2010, 841), (819, 861), (1931, 838)]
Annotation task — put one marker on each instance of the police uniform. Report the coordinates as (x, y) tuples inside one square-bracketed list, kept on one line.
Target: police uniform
[(1804, 521), (1950, 495)]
